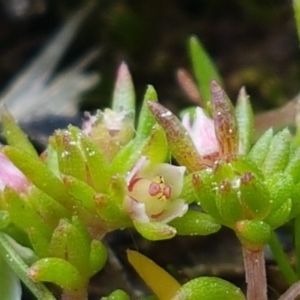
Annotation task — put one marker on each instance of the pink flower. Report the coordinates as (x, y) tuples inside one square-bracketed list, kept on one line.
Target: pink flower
[(11, 176), (202, 132), (153, 191), (217, 137)]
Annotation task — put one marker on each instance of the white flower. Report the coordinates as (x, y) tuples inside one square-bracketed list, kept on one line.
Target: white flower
[(153, 191)]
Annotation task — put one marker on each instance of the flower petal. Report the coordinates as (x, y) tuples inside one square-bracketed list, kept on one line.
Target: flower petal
[(11, 176), (202, 132), (136, 210), (176, 209)]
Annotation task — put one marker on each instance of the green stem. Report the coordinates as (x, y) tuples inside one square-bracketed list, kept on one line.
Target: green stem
[(16, 263), (282, 260)]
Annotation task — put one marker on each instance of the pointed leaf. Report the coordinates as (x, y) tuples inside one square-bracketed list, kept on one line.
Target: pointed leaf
[(245, 119), (146, 119), (13, 133), (161, 283), (225, 121), (38, 174), (156, 148), (117, 295), (203, 67), (124, 95), (278, 154), (180, 143), (97, 165), (260, 149)]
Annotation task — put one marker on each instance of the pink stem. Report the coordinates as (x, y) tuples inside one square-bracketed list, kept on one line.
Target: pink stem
[(292, 292), (255, 270)]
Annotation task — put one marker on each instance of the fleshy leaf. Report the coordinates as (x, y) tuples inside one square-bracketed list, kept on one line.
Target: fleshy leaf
[(255, 196), (81, 191), (203, 67), (195, 223), (38, 174), (205, 192), (161, 283), (155, 231), (98, 256), (180, 143), (278, 154), (209, 288), (117, 295), (293, 167), (245, 119), (58, 271), (260, 149), (146, 119), (124, 95), (71, 241), (253, 234), (70, 159), (228, 203), (96, 163), (156, 148), (14, 134), (225, 121)]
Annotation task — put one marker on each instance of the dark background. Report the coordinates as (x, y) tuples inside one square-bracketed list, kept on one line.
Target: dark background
[(253, 43)]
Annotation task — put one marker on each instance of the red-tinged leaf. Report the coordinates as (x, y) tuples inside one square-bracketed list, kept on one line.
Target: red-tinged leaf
[(225, 122), (180, 142)]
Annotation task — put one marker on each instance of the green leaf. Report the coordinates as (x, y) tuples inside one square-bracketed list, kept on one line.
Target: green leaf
[(71, 241), (146, 119), (180, 142), (38, 174), (23, 215), (253, 234), (245, 119), (81, 191), (205, 187), (156, 148), (228, 204), (278, 153), (19, 267), (280, 216), (128, 156), (117, 295), (96, 163), (98, 257), (209, 288), (70, 159), (254, 196), (13, 133), (188, 191), (155, 231), (10, 286), (160, 282), (260, 149), (57, 271), (203, 67), (293, 166), (124, 95), (195, 223)]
